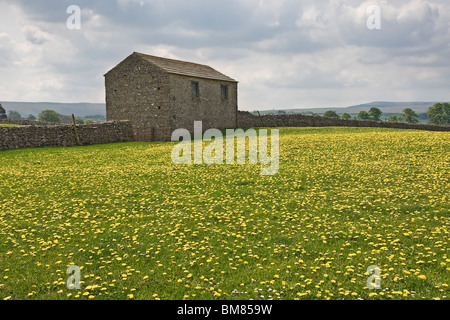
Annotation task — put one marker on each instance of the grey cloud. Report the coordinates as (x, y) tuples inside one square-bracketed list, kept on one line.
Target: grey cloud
[(6, 51), (35, 35), (235, 23), (414, 37)]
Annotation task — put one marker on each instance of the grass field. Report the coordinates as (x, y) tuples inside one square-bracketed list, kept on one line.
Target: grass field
[(9, 125), (140, 227)]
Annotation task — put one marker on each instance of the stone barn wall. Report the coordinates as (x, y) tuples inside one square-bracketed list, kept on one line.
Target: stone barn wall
[(209, 107), (64, 135), (248, 120), (139, 92), (158, 101)]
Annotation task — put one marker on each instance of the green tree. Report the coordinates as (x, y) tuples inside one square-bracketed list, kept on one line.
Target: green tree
[(31, 117), (439, 113), (49, 116), (410, 116), (363, 115), (393, 118), (375, 114), (2, 112), (66, 119), (346, 116), (14, 115), (331, 114), (79, 121), (89, 121), (423, 116)]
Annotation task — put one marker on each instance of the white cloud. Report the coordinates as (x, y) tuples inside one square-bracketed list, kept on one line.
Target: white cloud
[(35, 35), (125, 3), (286, 53)]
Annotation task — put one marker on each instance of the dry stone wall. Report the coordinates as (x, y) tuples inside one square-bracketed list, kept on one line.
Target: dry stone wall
[(248, 120), (64, 135), (37, 135), (24, 122)]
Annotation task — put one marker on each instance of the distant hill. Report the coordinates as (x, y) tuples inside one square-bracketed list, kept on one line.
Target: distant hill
[(87, 109), (393, 107), (385, 106), (78, 109)]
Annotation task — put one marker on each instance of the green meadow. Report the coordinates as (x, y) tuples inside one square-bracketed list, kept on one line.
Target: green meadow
[(141, 227), (9, 125)]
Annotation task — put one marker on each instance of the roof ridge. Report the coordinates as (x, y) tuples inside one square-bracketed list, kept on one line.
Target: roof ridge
[(186, 68), (174, 60)]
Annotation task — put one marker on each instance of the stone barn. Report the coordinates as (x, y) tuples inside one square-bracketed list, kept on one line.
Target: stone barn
[(160, 95)]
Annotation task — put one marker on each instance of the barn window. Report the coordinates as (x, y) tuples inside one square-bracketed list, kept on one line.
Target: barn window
[(195, 89), (224, 92)]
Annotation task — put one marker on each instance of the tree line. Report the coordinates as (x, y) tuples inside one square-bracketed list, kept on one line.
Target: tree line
[(437, 114), (44, 116)]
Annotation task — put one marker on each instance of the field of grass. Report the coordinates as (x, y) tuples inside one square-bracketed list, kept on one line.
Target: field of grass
[(9, 125), (141, 227)]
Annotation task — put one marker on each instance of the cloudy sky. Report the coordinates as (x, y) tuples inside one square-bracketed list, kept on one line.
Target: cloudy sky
[(284, 53)]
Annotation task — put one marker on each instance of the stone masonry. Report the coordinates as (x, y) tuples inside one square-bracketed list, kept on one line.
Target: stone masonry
[(64, 135), (156, 95), (248, 120), (24, 122)]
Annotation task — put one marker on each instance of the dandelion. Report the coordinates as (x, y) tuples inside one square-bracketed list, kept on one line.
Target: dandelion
[(344, 199)]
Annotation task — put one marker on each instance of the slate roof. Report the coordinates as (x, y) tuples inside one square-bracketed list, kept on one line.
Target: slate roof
[(186, 68)]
